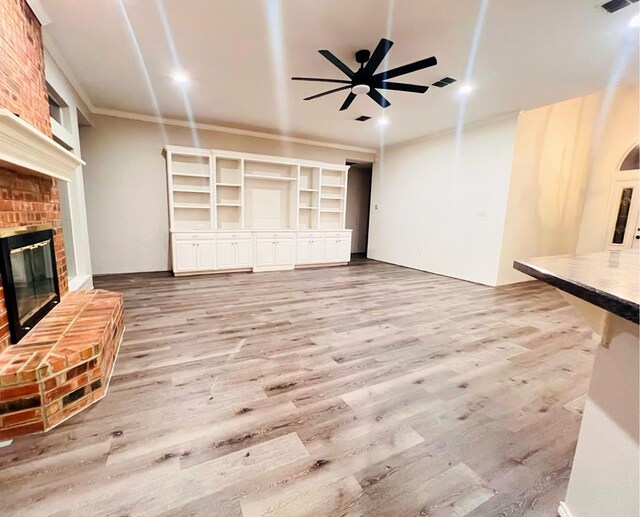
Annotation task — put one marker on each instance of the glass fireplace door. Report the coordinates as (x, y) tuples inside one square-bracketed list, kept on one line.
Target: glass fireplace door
[(33, 277), (29, 277)]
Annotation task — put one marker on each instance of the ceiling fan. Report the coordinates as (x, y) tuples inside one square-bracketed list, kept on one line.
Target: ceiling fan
[(365, 80)]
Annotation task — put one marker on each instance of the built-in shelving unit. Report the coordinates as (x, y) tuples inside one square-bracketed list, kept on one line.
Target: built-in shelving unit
[(239, 211), (221, 190), (190, 190)]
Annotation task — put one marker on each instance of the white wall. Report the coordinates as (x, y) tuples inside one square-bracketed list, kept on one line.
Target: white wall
[(70, 136), (548, 178), (427, 215), (616, 132), (357, 216), (126, 186)]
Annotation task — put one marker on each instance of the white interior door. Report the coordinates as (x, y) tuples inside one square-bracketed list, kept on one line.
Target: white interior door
[(635, 243), (622, 227)]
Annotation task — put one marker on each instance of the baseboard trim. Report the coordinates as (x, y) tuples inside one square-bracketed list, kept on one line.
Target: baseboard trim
[(563, 510)]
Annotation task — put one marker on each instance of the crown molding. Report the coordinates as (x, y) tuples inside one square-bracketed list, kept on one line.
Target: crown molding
[(231, 130), (23, 147)]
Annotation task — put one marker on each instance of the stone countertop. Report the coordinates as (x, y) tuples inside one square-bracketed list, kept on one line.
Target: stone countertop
[(607, 279)]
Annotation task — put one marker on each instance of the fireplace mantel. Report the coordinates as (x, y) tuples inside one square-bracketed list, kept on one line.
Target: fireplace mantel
[(22, 147)]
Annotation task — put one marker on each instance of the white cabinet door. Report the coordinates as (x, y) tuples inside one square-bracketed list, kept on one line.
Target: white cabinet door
[(244, 253), (226, 251), (184, 256), (331, 250), (284, 252), (344, 249), (265, 252), (206, 255), (303, 251), (317, 250)]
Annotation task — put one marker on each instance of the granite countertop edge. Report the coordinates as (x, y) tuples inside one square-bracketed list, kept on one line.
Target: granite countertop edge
[(622, 307)]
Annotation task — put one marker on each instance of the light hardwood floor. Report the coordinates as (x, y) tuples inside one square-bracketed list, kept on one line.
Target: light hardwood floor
[(362, 390)]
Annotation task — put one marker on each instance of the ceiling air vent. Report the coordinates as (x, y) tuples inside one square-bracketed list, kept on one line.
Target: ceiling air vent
[(445, 81), (363, 118), (615, 5)]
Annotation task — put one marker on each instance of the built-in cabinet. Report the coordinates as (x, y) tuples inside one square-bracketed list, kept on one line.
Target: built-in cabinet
[(237, 211)]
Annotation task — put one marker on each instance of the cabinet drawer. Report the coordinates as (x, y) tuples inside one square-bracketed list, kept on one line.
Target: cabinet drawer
[(235, 236), (274, 235), (193, 236), (310, 235), (338, 235)]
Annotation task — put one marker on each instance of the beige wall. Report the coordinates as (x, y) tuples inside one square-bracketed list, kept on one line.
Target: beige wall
[(617, 132), (358, 196), (126, 190), (548, 177), (439, 212), (564, 162)]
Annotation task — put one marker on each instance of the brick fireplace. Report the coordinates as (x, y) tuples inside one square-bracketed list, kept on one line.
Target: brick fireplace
[(64, 363), (26, 199)]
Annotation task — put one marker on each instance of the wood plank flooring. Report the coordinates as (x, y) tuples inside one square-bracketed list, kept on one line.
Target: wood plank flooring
[(362, 390)]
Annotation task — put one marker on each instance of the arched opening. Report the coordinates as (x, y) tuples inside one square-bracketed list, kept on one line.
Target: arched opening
[(624, 227), (632, 160)]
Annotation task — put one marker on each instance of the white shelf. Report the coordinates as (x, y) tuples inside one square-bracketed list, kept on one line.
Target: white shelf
[(332, 197), (326, 185), (267, 177), (228, 185), (308, 208), (189, 205), (198, 190), (188, 175), (229, 204), (331, 210), (308, 190)]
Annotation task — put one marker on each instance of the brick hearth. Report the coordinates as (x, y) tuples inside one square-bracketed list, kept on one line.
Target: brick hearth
[(62, 365)]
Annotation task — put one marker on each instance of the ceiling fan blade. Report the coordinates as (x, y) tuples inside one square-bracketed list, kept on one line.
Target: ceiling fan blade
[(321, 80), (347, 102), (327, 92), (375, 95), (384, 45), (336, 62), (402, 87), (406, 69)]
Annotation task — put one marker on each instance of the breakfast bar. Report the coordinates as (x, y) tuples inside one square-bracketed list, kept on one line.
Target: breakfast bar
[(604, 289)]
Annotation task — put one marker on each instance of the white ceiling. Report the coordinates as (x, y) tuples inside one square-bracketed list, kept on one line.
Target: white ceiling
[(241, 55)]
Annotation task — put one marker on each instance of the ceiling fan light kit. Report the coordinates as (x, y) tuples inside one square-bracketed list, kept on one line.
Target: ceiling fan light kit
[(365, 81)]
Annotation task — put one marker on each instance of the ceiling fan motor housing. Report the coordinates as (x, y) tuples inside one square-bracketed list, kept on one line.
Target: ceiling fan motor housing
[(362, 56)]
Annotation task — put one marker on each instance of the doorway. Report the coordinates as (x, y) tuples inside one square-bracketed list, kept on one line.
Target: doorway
[(358, 206), (623, 224)]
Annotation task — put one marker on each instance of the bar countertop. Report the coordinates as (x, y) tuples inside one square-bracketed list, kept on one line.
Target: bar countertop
[(607, 279)]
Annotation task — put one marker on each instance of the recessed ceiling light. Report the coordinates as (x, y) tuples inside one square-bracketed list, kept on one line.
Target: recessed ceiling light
[(466, 89), (634, 23), (383, 121), (180, 77)]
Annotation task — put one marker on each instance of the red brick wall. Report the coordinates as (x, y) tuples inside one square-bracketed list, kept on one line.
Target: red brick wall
[(26, 199)]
